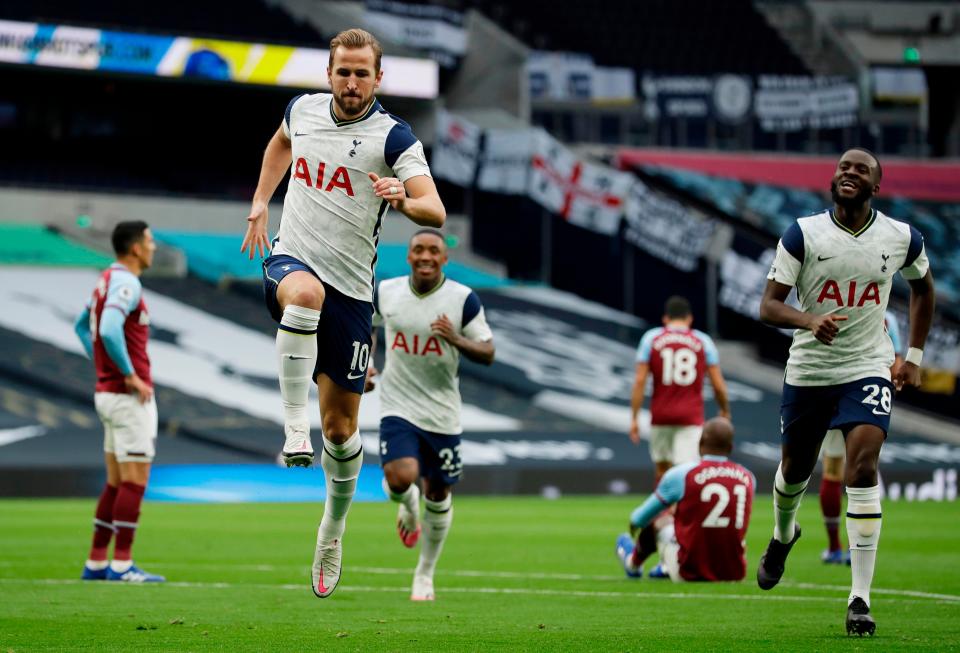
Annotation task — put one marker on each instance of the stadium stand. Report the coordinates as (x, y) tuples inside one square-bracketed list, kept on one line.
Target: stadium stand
[(244, 19), (643, 35)]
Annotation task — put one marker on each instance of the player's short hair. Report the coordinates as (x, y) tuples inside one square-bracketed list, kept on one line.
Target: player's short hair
[(677, 308), (356, 38), (871, 155), (428, 230), (126, 234)]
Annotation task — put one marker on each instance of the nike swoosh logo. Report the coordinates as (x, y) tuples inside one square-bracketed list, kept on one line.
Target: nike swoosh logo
[(825, 258), (294, 357), (356, 376), (301, 133), (320, 586), (879, 412)]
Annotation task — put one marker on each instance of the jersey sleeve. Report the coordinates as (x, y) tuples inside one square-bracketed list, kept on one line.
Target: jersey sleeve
[(474, 321), (123, 293), (893, 330), (916, 264), (287, 115), (404, 153), (646, 344), (789, 257), (710, 352), (114, 340), (669, 491), (81, 326)]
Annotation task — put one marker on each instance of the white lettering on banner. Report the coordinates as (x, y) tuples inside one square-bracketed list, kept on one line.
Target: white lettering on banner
[(557, 355), (438, 30), (784, 103), (211, 357), (456, 149), (505, 161), (665, 228)]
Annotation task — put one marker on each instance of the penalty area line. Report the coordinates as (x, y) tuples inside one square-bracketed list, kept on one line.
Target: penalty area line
[(520, 591)]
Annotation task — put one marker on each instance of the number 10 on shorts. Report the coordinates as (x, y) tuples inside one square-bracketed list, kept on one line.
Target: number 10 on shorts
[(361, 356)]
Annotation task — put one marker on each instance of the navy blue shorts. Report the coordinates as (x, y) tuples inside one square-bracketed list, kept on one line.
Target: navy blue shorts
[(810, 411), (439, 454), (344, 331)]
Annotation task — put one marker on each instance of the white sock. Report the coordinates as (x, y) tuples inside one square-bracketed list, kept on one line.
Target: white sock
[(437, 516), (863, 531), (341, 466), (97, 565), (410, 498), (296, 338), (786, 503), (120, 566)]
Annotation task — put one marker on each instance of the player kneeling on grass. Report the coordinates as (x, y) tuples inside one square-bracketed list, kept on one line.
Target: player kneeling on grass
[(705, 539), (429, 322), (113, 328)]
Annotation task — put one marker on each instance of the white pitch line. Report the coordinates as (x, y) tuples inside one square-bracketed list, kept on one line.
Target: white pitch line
[(945, 598)]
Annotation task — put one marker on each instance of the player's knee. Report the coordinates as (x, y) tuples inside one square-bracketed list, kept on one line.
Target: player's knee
[(399, 478), (308, 295), (338, 429), (862, 470), (865, 528), (437, 493)]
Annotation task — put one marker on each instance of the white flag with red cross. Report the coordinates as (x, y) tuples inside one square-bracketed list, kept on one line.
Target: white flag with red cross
[(586, 194)]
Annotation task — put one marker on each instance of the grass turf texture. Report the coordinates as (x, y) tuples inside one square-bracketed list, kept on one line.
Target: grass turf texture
[(517, 574)]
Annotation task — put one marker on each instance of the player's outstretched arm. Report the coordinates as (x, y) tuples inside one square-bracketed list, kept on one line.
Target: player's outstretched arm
[(776, 312), (417, 198), (922, 304), (636, 401), (276, 161)]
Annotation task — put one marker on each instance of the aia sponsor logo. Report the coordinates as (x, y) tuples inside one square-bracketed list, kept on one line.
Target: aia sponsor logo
[(339, 179), (855, 295), (412, 345)]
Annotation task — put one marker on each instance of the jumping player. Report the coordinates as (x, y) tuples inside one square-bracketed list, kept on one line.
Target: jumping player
[(705, 539), (842, 263), (429, 322), (349, 160), (114, 327)]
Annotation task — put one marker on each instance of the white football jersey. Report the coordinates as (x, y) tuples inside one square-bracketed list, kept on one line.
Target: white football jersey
[(837, 271), (331, 217), (419, 382)]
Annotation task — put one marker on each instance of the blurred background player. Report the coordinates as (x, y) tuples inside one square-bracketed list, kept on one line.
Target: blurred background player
[(323, 258), (831, 485), (705, 539), (114, 328), (842, 262), (677, 356), (429, 321)]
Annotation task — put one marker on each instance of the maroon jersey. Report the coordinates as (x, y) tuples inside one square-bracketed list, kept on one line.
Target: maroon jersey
[(119, 289), (678, 359), (711, 520)]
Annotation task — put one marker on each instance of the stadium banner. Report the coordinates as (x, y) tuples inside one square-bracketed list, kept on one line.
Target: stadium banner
[(777, 102), (456, 149), (665, 228), (726, 97), (788, 103), (63, 46), (585, 194), (437, 30), (505, 161)]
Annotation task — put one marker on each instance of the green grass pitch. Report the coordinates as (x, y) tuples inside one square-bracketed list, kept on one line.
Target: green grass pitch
[(517, 574)]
